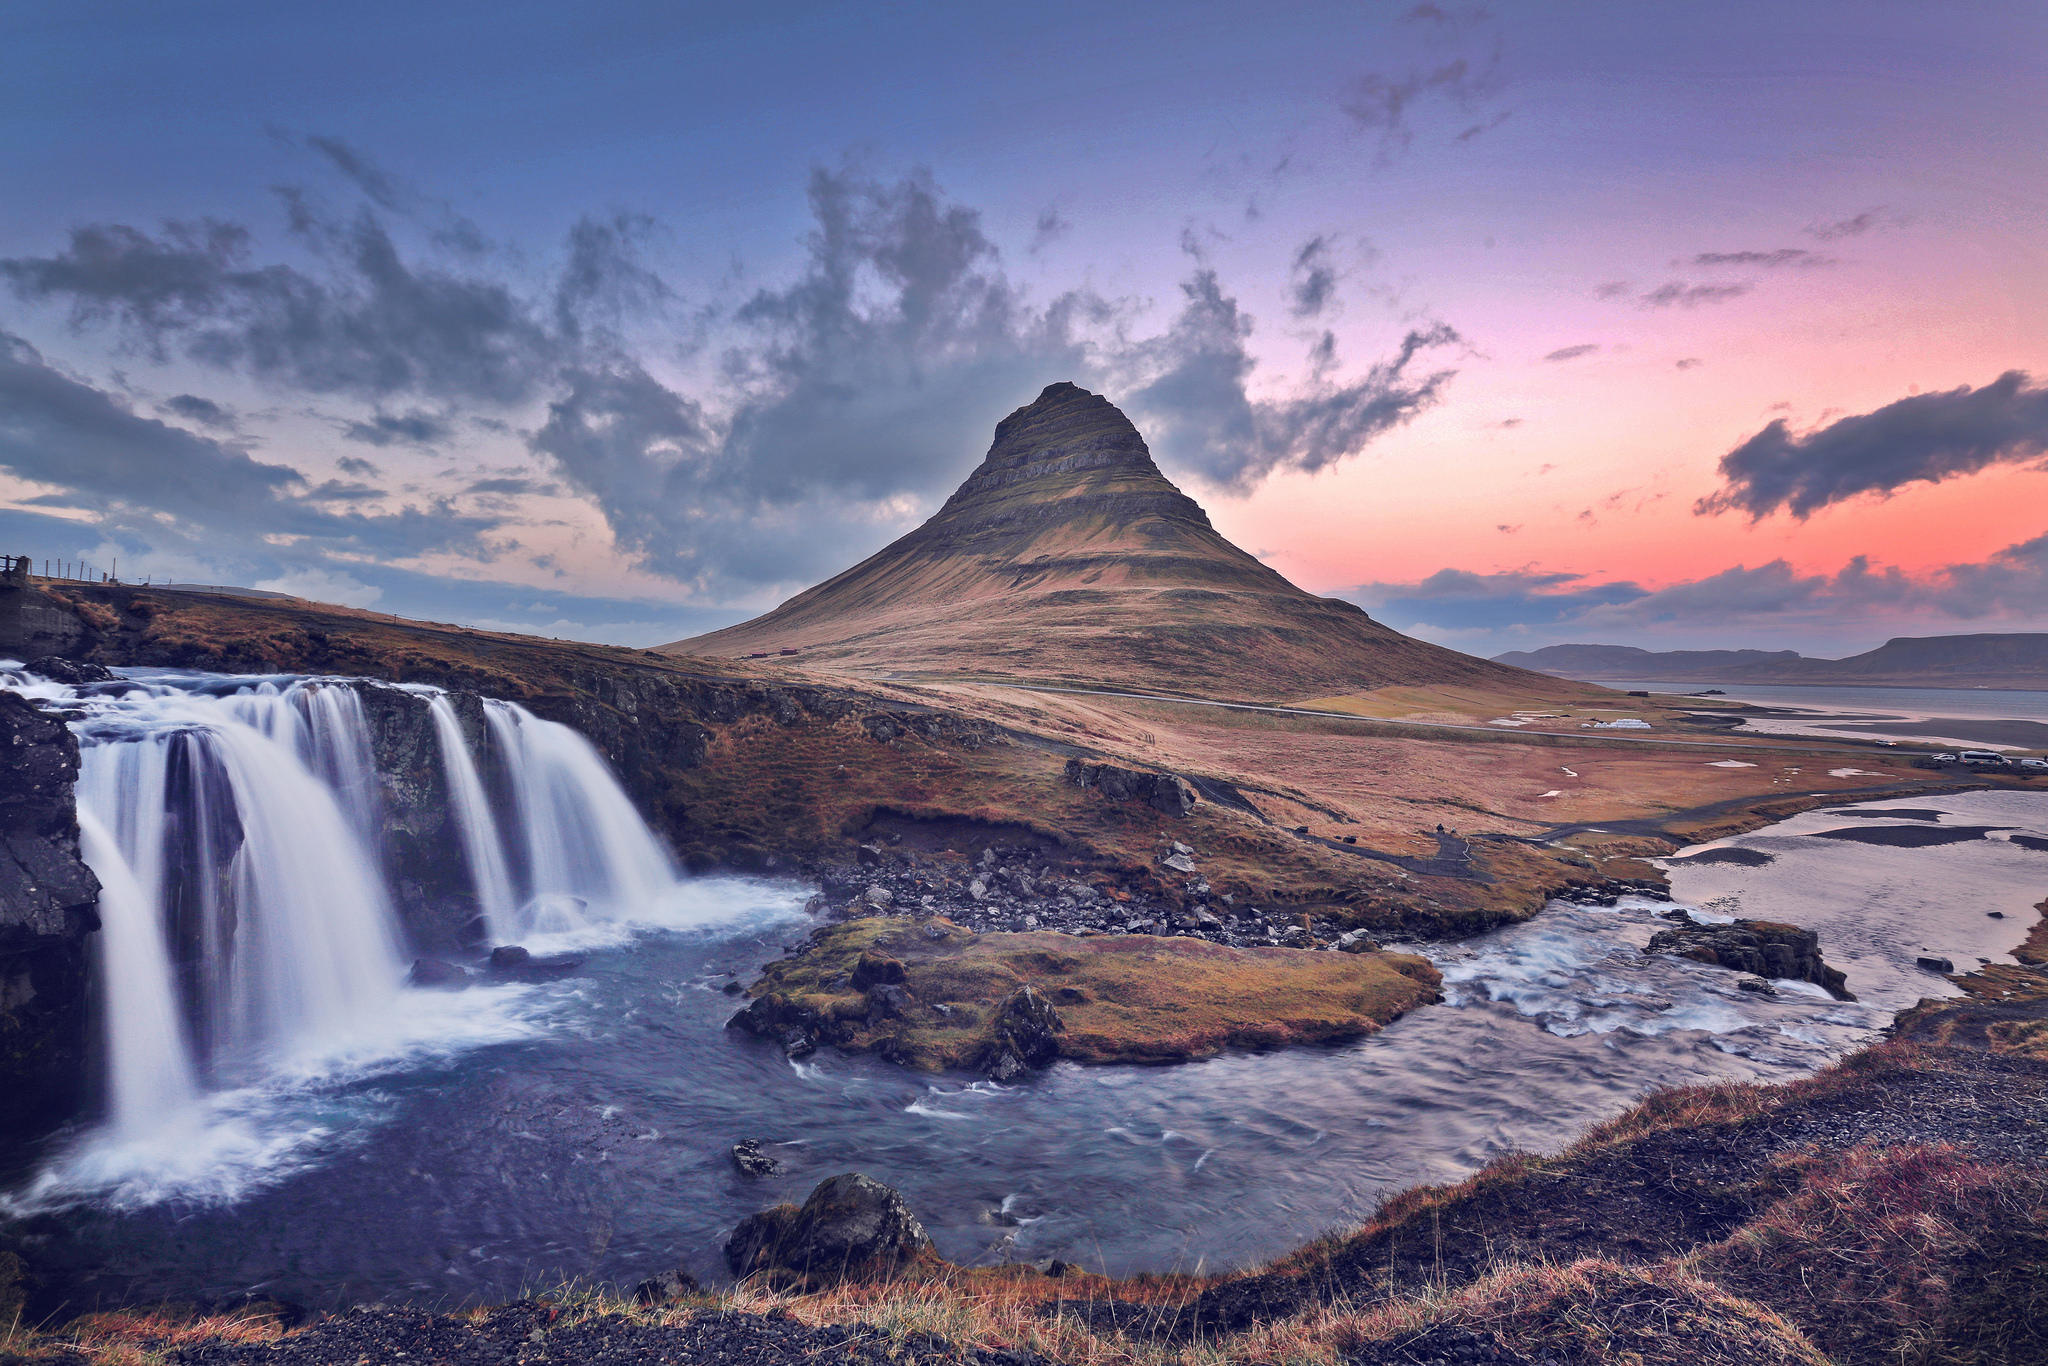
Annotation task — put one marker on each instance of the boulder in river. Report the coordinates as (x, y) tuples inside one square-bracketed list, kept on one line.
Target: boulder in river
[(752, 1159), (437, 973), (851, 1228), (71, 672), (1763, 948)]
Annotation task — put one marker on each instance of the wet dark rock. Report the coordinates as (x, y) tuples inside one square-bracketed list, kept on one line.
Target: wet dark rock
[(1759, 986), (1763, 948), (851, 1227), (1023, 1037), (70, 672), (437, 973), (1934, 964), (890, 1001), (48, 913), (752, 1159), (795, 1028), (877, 969), (519, 964), (668, 1285), (1165, 792)]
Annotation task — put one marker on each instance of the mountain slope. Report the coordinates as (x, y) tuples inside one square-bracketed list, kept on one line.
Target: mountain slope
[(1068, 557), (2017, 659)]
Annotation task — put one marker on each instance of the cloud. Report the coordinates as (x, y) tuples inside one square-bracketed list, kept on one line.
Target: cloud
[(510, 486), (1679, 294), (364, 318), (1312, 285), (416, 428), (1769, 260), (1565, 353), (1188, 393), (203, 411), (1688, 363), (371, 325), (1050, 228), (1384, 103), (859, 390), (1854, 226), (1613, 289), (172, 486), (1739, 605), (1927, 438), (838, 403)]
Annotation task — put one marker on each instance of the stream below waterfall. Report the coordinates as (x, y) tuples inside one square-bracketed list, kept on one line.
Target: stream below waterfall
[(284, 1117)]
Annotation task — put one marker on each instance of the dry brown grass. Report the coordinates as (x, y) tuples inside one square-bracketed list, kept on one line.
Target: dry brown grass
[(144, 1337), (1599, 1311), (1124, 998), (1876, 1250)]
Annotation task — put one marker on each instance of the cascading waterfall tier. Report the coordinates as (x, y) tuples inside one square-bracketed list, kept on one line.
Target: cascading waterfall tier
[(237, 826)]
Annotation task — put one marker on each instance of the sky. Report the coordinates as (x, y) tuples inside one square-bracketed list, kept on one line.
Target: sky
[(1676, 326)]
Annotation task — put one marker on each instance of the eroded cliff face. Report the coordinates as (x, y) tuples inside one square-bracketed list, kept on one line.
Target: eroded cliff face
[(47, 919)]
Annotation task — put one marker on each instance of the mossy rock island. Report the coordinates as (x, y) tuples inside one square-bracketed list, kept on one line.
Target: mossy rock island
[(931, 995)]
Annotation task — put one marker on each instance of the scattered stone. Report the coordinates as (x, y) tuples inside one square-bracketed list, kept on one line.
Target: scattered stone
[(1179, 863), (1996, 915), (851, 1227), (1763, 948), (879, 897), (437, 974), (753, 1160), (1183, 849), (1934, 964), (1759, 986), (1356, 941), (506, 957), (869, 855), (669, 1285)]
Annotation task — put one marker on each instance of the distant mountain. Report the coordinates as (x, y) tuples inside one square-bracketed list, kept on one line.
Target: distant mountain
[(2011, 660), (1067, 556)]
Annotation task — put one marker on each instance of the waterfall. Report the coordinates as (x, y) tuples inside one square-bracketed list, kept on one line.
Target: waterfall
[(482, 846), (584, 852), (241, 884), (249, 931), (150, 1066)]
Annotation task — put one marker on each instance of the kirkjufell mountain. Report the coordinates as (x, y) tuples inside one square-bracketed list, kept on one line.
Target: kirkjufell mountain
[(1068, 557)]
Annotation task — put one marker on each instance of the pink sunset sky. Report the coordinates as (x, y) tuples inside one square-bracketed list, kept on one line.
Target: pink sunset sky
[(1517, 324)]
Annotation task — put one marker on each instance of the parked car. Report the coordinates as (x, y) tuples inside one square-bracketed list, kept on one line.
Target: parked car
[(1942, 758), (1983, 758), (2034, 765)]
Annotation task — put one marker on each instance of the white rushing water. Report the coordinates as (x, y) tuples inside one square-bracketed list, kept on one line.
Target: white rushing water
[(251, 956)]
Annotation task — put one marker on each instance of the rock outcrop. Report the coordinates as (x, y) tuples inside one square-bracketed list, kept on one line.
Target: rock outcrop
[(1023, 1037), (1763, 947), (1166, 792), (851, 1228), (48, 900)]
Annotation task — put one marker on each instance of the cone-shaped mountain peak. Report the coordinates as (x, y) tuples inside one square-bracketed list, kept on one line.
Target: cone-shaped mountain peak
[(1067, 556)]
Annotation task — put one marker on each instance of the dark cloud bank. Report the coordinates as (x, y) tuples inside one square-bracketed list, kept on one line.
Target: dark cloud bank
[(840, 401), (1927, 438)]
